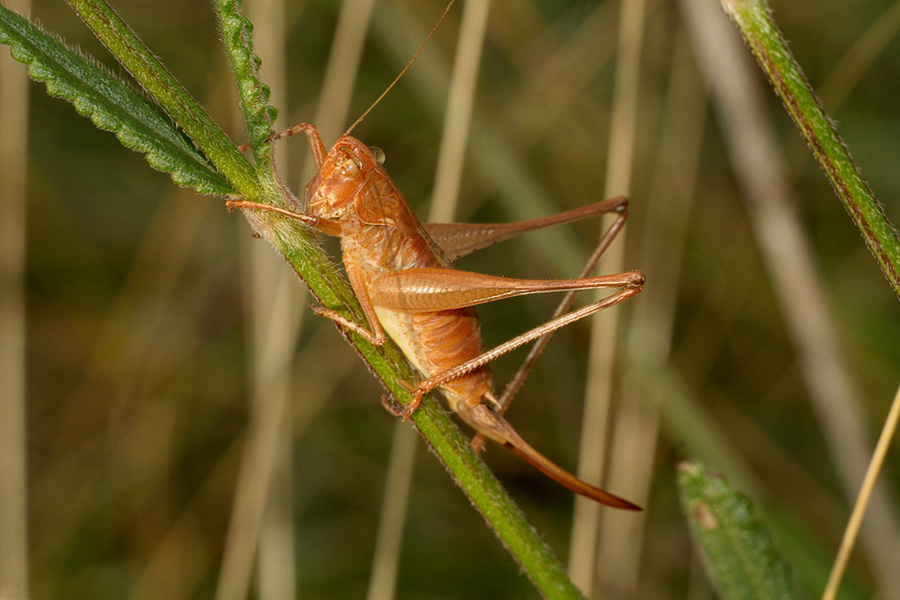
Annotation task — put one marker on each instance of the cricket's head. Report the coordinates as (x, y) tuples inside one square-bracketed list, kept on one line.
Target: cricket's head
[(349, 170)]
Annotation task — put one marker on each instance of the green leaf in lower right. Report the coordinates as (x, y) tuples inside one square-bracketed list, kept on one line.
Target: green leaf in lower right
[(740, 555)]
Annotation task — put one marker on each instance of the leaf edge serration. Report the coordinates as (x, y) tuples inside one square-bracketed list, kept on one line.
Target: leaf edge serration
[(110, 102)]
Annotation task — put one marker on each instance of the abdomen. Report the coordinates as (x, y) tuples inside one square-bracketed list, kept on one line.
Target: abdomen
[(436, 342)]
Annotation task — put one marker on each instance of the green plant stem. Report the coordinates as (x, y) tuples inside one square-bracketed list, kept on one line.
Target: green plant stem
[(128, 49), (754, 19)]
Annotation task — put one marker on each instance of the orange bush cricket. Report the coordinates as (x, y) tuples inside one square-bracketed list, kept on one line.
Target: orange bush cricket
[(402, 273)]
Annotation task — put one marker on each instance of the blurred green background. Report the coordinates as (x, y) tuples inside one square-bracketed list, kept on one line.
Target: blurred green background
[(139, 341)]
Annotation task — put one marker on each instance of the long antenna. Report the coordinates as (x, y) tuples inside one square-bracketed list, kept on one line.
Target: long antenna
[(411, 61)]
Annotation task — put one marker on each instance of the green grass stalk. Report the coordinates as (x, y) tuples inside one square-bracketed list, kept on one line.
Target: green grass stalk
[(754, 19)]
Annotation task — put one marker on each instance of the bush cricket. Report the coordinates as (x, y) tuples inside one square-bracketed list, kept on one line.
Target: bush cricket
[(402, 273)]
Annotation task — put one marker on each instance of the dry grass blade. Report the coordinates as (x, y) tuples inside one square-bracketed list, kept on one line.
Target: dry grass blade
[(649, 339), (604, 327), (459, 112), (262, 509), (276, 306), (277, 309), (392, 518), (862, 501), (13, 458), (847, 73), (341, 71)]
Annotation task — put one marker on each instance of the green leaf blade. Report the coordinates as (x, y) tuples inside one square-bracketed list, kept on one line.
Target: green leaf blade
[(174, 99), (110, 103), (740, 554)]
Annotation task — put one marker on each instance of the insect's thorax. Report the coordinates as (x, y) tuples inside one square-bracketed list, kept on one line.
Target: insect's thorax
[(384, 235)]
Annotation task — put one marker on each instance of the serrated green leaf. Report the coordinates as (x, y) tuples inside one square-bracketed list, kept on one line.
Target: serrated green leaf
[(178, 103), (259, 114), (110, 103), (740, 555)]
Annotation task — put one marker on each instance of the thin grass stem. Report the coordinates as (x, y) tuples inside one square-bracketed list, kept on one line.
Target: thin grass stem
[(862, 501), (592, 450)]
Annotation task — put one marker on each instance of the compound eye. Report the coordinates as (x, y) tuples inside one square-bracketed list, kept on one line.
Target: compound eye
[(379, 154), (351, 167)]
